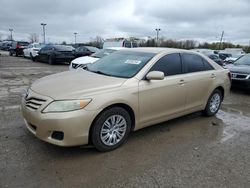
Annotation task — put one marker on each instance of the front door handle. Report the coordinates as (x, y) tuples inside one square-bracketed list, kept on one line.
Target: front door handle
[(181, 82)]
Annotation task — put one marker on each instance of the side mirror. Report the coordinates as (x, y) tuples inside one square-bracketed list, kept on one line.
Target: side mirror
[(155, 75)]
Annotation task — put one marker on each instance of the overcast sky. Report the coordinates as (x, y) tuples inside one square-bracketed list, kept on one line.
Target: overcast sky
[(202, 20)]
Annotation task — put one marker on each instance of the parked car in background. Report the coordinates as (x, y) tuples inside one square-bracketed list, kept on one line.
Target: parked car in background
[(85, 51), (56, 54), (216, 59), (123, 92), (81, 62), (240, 72), (17, 48), (224, 55), (5, 45), (119, 42), (232, 59), (32, 51)]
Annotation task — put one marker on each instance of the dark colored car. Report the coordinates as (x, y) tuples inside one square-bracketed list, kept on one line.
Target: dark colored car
[(85, 51), (56, 54), (216, 59), (223, 56), (5, 45), (17, 48), (240, 72)]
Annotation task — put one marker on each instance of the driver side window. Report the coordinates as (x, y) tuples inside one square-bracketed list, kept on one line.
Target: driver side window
[(169, 64)]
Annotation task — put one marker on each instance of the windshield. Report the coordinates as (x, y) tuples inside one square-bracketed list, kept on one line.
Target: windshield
[(124, 64), (102, 53), (37, 45), (244, 60), (23, 43), (92, 49), (63, 48)]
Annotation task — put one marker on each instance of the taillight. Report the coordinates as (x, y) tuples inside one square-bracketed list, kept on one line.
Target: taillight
[(229, 75), (18, 46)]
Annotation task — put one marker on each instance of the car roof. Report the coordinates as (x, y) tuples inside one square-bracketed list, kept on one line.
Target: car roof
[(158, 50), (116, 48)]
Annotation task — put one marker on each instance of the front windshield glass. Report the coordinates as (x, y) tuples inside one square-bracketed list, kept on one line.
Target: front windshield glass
[(102, 53), (124, 64), (244, 60), (37, 45), (63, 48), (92, 49)]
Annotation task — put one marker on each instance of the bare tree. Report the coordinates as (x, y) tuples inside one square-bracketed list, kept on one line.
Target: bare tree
[(33, 37), (97, 42)]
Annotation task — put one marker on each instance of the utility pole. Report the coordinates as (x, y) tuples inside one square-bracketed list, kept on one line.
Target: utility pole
[(75, 36), (221, 38), (157, 35), (43, 25), (11, 36)]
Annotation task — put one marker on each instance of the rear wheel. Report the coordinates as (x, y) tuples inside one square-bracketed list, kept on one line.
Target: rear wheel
[(111, 129), (213, 103), (50, 60)]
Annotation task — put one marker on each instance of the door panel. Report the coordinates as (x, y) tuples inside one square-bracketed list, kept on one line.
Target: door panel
[(200, 80), (199, 85), (160, 98)]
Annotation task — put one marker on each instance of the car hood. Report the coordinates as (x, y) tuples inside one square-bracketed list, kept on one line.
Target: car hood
[(245, 69), (75, 85), (84, 60)]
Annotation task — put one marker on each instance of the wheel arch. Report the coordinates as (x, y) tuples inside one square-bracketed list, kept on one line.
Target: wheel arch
[(122, 105), (222, 90)]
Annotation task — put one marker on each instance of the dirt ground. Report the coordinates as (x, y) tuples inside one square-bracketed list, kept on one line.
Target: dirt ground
[(192, 151)]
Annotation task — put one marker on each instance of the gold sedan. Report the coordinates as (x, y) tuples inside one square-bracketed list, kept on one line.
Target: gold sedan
[(123, 92)]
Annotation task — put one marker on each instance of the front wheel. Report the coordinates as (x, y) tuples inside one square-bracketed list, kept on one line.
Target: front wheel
[(31, 57), (111, 129), (50, 60), (213, 103)]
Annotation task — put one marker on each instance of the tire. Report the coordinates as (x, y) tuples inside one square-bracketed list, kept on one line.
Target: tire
[(31, 57), (10, 53), (50, 60), (105, 135), (16, 54), (213, 103)]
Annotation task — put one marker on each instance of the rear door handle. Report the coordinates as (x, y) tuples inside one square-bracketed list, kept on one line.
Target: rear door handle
[(213, 75)]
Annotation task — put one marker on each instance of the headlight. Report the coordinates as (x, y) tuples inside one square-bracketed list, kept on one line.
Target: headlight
[(66, 105)]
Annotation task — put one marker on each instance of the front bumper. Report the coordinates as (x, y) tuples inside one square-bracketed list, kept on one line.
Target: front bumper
[(74, 125), (241, 84)]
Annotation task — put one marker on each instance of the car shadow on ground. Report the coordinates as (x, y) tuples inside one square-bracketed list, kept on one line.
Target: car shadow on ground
[(180, 129)]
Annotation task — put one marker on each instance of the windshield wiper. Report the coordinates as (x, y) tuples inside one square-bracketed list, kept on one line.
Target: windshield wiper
[(103, 73), (94, 56)]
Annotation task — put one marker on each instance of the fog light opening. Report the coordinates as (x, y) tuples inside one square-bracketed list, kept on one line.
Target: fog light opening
[(57, 135)]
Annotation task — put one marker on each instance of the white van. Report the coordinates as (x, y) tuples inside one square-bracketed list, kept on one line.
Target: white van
[(120, 42)]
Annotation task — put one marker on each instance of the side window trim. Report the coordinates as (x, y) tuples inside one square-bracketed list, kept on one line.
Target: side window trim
[(203, 62), (182, 67)]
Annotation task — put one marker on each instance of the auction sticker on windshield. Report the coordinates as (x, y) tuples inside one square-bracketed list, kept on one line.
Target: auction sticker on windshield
[(133, 62)]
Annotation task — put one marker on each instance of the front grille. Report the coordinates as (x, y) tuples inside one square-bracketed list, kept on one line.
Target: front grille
[(239, 76), (76, 66), (34, 103)]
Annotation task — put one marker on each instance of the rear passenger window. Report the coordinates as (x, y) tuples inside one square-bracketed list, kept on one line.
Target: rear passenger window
[(169, 64), (207, 66), (192, 63)]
